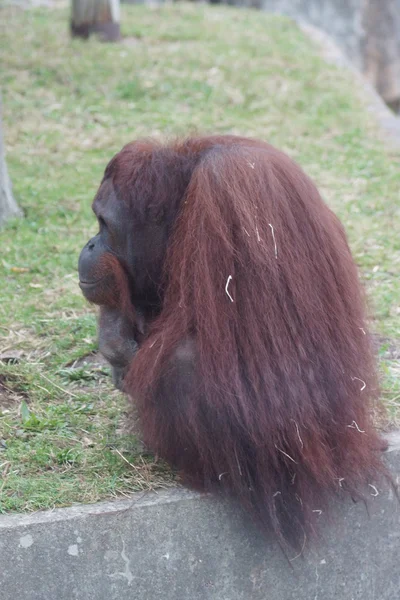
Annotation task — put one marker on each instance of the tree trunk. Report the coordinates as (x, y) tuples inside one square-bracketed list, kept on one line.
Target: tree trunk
[(381, 50), (96, 16), (8, 206)]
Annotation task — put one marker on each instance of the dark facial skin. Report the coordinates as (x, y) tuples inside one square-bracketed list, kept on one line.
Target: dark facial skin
[(120, 271), (104, 280), (96, 276)]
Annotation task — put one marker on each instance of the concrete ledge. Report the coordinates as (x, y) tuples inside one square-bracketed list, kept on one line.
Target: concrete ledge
[(178, 545)]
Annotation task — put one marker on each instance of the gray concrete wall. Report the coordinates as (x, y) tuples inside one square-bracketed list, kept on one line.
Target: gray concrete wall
[(388, 122), (367, 31), (177, 545), (341, 19)]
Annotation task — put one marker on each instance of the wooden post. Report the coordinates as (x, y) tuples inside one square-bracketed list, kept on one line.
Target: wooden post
[(96, 16)]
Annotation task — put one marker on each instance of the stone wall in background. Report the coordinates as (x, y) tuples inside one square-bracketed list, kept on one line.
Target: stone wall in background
[(380, 48), (367, 31)]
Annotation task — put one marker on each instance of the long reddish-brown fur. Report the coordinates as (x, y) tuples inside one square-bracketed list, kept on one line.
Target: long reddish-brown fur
[(257, 376)]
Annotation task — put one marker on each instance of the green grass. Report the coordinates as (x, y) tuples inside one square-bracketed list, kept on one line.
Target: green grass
[(68, 107)]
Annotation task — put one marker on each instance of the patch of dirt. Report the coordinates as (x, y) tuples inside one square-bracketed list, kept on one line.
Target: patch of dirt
[(10, 396)]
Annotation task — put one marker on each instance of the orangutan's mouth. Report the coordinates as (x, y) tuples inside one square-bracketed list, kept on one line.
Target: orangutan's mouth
[(89, 284)]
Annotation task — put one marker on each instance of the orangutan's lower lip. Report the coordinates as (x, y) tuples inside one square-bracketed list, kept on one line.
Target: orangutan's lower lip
[(89, 284)]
